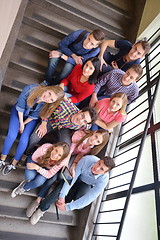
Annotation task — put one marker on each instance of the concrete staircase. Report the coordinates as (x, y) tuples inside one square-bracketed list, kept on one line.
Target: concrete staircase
[(43, 24)]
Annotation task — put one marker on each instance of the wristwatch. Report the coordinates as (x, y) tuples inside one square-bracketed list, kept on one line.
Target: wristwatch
[(60, 54)]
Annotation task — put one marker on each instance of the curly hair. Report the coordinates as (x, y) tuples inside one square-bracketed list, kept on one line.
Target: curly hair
[(46, 161)]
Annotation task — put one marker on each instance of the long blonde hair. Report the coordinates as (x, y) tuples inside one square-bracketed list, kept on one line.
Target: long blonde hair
[(123, 96), (46, 161), (97, 148), (48, 108)]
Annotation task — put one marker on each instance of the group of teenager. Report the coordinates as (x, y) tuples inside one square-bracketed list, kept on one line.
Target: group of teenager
[(71, 114)]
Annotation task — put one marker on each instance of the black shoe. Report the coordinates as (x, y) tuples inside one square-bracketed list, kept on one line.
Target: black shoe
[(2, 163), (8, 168)]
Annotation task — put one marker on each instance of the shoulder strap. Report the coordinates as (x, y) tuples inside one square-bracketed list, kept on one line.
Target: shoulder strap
[(80, 37)]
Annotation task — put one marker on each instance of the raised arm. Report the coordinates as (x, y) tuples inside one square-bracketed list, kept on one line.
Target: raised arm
[(103, 46)]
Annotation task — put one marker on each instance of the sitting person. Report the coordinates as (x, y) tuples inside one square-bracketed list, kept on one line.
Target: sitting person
[(45, 162), (76, 48), (111, 111), (83, 143), (127, 55), (34, 102), (81, 81), (66, 116), (118, 81), (90, 179)]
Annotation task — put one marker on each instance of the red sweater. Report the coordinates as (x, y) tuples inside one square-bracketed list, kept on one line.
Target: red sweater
[(79, 90)]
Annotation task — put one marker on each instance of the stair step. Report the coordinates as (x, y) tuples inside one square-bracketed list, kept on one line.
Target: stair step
[(18, 236), (18, 80), (20, 213), (20, 227), (35, 40), (88, 16)]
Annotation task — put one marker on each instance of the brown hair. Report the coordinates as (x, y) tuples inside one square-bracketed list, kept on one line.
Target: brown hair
[(109, 162), (123, 96), (96, 149), (48, 108), (98, 34), (145, 45), (46, 161), (92, 112), (138, 69)]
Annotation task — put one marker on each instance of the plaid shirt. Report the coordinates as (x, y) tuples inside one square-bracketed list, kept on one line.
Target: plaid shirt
[(110, 83), (61, 117)]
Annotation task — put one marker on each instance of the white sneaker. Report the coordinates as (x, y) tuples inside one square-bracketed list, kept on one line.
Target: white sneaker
[(18, 190), (36, 216), (32, 208)]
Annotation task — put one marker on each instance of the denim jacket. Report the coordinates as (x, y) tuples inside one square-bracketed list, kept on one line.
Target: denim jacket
[(22, 106)]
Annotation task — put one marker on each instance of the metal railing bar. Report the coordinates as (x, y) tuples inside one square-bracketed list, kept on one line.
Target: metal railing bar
[(137, 106), (121, 174), (135, 116), (133, 128), (112, 210), (138, 160), (100, 235), (106, 223), (122, 185), (125, 162), (126, 150)]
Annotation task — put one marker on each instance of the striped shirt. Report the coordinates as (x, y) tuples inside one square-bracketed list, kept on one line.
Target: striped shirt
[(111, 83), (61, 117), (42, 151)]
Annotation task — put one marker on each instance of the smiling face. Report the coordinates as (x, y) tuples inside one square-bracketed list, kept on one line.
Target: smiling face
[(81, 118), (136, 52), (90, 42), (129, 77), (115, 104), (88, 69), (49, 96), (95, 139), (99, 168), (56, 153)]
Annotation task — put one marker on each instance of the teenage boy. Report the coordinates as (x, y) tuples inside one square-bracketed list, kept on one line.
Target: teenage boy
[(127, 55), (118, 81), (66, 116), (90, 179), (76, 48)]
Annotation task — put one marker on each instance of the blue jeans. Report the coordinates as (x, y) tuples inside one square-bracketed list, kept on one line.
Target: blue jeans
[(78, 190), (13, 133), (35, 179), (52, 65), (46, 186)]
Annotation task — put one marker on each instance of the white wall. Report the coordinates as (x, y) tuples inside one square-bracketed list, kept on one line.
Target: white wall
[(8, 12)]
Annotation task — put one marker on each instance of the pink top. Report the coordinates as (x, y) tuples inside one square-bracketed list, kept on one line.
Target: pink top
[(42, 151), (77, 136), (107, 117)]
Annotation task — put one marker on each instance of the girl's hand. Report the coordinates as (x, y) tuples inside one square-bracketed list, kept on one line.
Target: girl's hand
[(42, 130), (32, 166), (21, 127)]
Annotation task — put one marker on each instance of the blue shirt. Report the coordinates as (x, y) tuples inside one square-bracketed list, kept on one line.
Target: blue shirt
[(83, 171), (111, 83), (124, 46), (21, 105), (68, 48)]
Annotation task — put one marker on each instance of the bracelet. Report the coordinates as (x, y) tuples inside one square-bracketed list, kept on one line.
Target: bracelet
[(60, 54)]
